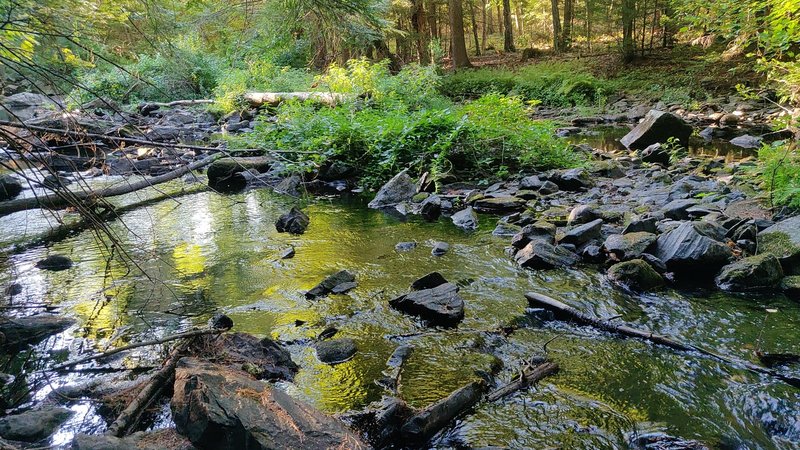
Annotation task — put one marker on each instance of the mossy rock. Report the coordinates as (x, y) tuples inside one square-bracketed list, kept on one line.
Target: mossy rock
[(756, 272), (783, 241), (636, 275), (791, 286), (223, 170)]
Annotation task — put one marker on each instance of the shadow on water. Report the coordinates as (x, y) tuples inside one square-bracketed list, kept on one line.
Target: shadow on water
[(213, 252)]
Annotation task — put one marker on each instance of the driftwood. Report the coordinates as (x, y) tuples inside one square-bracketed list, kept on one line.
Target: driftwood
[(63, 199), (528, 376), (426, 423), (563, 311), (257, 99), (179, 103), (165, 339)]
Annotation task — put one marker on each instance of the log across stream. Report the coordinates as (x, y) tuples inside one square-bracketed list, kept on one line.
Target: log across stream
[(221, 253)]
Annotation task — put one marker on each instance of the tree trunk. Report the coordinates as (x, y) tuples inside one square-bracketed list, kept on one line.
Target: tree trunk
[(566, 30), (628, 44), (474, 27), (589, 25), (418, 21), (499, 19), (556, 26), (432, 23), (458, 43), (483, 24), (518, 19), (508, 32)]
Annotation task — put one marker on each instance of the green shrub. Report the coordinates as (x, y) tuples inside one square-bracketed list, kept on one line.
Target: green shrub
[(471, 84), (780, 172), (258, 76)]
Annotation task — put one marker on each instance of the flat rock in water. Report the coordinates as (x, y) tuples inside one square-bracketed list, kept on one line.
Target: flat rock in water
[(331, 283), (440, 306), (288, 253), (405, 246), (31, 330), (55, 263), (690, 248), (264, 358), (498, 205), (33, 426), (542, 255), (429, 281), (335, 351), (756, 272), (783, 241), (399, 189), (466, 219), (440, 248), (582, 234), (746, 141), (293, 222), (224, 409), (657, 127)]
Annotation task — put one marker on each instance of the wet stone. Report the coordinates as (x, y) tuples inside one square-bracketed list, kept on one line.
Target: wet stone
[(336, 351), (340, 282), (33, 426), (293, 222), (405, 246), (440, 248), (439, 306), (55, 263)]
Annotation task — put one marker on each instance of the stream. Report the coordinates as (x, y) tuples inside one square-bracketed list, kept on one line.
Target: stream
[(207, 253)]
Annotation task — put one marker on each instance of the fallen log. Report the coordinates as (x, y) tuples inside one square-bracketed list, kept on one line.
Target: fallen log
[(426, 423), (257, 99), (565, 312), (60, 200), (528, 376), (179, 103)]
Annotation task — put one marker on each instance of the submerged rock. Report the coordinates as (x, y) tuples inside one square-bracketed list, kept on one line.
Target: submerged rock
[(657, 127), (440, 248), (293, 222), (437, 302), (692, 248), (31, 330), (405, 246), (636, 275), (55, 263), (33, 426), (466, 219), (225, 173), (10, 187), (219, 408), (756, 272), (335, 351), (399, 189), (338, 283), (783, 241)]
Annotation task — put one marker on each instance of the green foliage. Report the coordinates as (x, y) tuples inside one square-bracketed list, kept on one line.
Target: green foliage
[(257, 76), (780, 172)]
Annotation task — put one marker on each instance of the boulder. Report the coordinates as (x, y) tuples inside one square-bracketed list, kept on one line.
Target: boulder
[(27, 105), (655, 154), (636, 275), (33, 426), (224, 173), (629, 246), (405, 246), (10, 187), (335, 351), (338, 283), (756, 272), (678, 209), (263, 358), (399, 189), (31, 330), (783, 241), (657, 127), (440, 248), (582, 214), (647, 224), (582, 234), (499, 205), (164, 439), (293, 222), (548, 187), (439, 305), (429, 281), (431, 207), (542, 255), (466, 219), (746, 141), (55, 263), (223, 409), (791, 286), (693, 247), (537, 231), (530, 183), (572, 179)]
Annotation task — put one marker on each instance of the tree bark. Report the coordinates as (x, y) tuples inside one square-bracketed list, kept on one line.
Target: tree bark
[(483, 24), (429, 421), (628, 43), (474, 27), (556, 25), (566, 30), (508, 32), (458, 44), (418, 21), (529, 375)]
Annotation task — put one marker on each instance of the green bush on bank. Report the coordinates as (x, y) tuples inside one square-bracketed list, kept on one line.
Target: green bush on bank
[(780, 172)]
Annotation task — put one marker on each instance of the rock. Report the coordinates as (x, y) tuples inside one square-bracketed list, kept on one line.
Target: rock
[(400, 188), (531, 183), (440, 248), (505, 229), (265, 358), (636, 275), (288, 253), (220, 322), (746, 141), (12, 289), (293, 222), (678, 209), (572, 179), (55, 263), (592, 254), (440, 305), (629, 246), (647, 224), (657, 127), (33, 426), (729, 120), (289, 186), (582, 234), (540, 230), (10, 187), (655, 154), (548, 187), (224, 173), (336, 170), (499, 205), (582, 214), (27, 105), (692, 248), (791, 286), (542, 255), (756, 272), (431, 207), (223, 409), (336, 351), (328, 285), (429, 281), (31, 330), (662, 441), (783, 241), (405, 246), (164, 439), (466, 219)]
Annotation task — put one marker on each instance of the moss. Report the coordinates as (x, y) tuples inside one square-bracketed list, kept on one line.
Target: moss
[(777, 243), (635, 274)]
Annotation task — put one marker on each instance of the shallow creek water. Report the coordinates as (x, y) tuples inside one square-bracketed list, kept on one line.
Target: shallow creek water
[(214, 252)]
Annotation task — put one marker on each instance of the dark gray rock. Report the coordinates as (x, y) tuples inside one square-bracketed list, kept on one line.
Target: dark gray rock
[(677, 209), (289, 186), (499, 205), (655, 154), (336, 170), (405, 246), (263, 358), (582, 234), (330, 283), (540, 230), (293, 222), (548, 187), (440, 248), (791, 286), (220, 408), (572, 179), (629, 246), (225, 173), (220, 322), (33, 426), (431, 207), (399, 189), (336, 351), (542, 255), (429, 281), (647, 224), (530, 183), (582, 214), (756, 272), (636, 275), (439, 306), (657, 127), (505, 229), (32, 329), (10, 187), (693, 248), (466, 219), (55, 263), (288, 253), (592, 254), (746, 141)]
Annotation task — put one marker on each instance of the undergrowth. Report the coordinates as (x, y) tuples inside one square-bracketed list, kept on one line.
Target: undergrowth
[(780, 172)]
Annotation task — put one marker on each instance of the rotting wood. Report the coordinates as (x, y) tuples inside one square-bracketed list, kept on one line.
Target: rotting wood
[(426, 423), (257, 99), (562, 311), (528, 376)]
